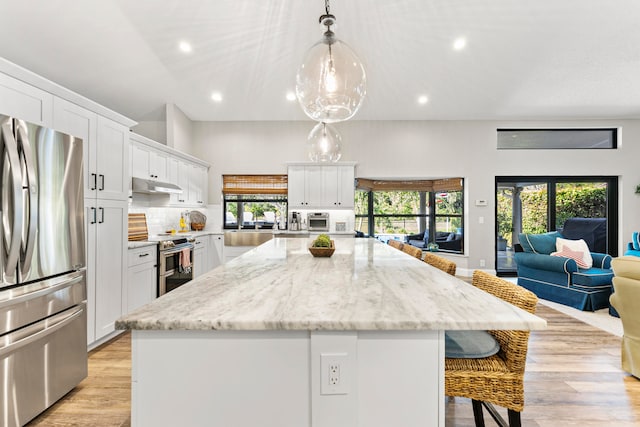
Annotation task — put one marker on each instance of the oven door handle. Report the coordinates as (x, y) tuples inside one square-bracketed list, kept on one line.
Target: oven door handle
[(175, 251)]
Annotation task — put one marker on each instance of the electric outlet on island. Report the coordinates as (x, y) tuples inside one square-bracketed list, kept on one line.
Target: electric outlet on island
[(333, 373), (482, 263)]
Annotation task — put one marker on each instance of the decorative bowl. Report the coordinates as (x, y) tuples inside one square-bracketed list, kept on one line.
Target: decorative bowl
[(322, 252)]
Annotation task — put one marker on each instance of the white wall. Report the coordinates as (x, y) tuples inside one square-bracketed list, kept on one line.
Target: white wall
[(179, 130), (156, 130), (428, 149)]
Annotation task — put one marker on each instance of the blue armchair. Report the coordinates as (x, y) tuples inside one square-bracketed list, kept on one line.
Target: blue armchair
[(559, 279), (633, 247)]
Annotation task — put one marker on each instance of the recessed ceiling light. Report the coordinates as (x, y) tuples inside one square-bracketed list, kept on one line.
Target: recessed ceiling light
[(185, 47), (291, 96), (459, 43), (423, 99), (216, 96)]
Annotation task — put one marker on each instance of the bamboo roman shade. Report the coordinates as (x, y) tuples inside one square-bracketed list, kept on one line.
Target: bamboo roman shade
[(254, 184), (447, 184)]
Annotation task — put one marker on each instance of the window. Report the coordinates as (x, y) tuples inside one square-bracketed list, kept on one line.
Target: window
[(537, 204), (557, 138), (254, 201), (419, 212)]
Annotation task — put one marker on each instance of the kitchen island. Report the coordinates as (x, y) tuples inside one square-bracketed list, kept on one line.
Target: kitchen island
[(277, 337)]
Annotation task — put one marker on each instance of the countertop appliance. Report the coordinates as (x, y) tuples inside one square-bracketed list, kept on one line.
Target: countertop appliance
[(172, 248), (318, 221), (43, 319)]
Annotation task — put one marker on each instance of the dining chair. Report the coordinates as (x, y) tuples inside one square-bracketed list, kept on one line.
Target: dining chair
[(498, 379), (413, 251), (395, 244), (440, 263)]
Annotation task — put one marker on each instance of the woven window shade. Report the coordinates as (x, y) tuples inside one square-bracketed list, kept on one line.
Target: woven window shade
[(254, 184), (448, 184)]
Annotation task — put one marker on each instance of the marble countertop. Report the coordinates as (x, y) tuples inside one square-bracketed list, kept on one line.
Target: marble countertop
[(365, 285), (134, 244)]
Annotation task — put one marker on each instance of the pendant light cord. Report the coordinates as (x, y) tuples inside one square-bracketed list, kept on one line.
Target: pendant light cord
[(326, 7)]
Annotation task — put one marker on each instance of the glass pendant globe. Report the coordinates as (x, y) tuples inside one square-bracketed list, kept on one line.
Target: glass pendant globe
[(323, 143), (331, 82)]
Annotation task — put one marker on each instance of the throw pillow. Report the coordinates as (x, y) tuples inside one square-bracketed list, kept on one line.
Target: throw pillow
[(574, 249), (539, 243), (635, 241)]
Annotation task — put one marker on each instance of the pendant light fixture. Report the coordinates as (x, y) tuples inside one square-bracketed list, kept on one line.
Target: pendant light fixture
[(324, 143), (331, 82)]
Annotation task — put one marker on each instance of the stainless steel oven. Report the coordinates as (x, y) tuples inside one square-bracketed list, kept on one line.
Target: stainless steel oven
[(318, 221), (175, 264)]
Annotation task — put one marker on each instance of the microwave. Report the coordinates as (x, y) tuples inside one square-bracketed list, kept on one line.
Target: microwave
[(318, 221)]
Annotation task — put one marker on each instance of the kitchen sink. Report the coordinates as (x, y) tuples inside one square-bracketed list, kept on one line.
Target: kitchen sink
[(246, 238)]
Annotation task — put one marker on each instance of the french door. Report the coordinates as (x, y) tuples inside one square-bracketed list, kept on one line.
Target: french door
[(538, 204)]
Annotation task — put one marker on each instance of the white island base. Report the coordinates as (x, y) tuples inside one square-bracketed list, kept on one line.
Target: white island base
[(275, 379)]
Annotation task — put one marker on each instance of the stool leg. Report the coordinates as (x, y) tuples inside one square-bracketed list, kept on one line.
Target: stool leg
[(514, 418), (477, 413)]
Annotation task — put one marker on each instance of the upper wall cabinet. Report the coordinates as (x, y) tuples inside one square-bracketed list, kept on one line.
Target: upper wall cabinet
[(105, 149), (25, 102), (155, 161), (148, 163), (321, 186)]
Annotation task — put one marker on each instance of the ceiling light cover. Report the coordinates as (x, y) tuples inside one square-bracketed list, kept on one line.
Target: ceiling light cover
[(324, 143), (331, 81)]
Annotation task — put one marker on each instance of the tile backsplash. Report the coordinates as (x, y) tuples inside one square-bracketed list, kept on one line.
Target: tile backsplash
[(160, 219)]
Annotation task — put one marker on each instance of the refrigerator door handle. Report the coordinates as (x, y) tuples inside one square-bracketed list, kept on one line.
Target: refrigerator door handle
[(101, 216), (95, 181), (93, 221), (47, 329), (101, 182), (28, 246), (11, 209)]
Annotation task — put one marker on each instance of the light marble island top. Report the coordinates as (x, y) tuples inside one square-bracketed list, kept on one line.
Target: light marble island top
[(365, 285)]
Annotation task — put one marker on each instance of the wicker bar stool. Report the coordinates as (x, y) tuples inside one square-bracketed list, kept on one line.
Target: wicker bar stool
[(497, 379), (395, 244), (413, 251), (440, 263)]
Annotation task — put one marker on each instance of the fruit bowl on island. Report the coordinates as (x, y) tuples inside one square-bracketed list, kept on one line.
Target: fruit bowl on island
[(322, 246)]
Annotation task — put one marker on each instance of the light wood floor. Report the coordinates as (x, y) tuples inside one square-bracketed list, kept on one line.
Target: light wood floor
[(573, 379)]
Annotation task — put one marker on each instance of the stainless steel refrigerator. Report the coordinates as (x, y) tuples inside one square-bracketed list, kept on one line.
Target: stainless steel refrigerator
[(43, 319)]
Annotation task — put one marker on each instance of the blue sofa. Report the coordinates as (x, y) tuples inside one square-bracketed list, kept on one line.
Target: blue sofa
[(447, 241), (560, 279), (633, 247)]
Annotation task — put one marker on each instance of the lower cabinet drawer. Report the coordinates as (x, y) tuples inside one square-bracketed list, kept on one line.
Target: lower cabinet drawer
[(146, 254)]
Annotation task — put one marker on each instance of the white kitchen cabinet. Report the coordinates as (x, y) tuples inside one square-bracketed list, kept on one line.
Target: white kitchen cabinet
[(200, 256), (106, 239), (25, 102), (141, 278), (184, 174), (338, 186), (82, 123), (172, 177), (325, 187), (105, 149), (111, 160), (305, 187), (148, 163), (197, 185), (216, 248)]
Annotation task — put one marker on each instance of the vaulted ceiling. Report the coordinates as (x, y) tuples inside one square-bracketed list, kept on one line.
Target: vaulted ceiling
[(523, 59)]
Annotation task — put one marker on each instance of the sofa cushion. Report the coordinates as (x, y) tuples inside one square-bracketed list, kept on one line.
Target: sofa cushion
[(469, 344), (539, 243), (576, 250), (627, 266), (592, 278)]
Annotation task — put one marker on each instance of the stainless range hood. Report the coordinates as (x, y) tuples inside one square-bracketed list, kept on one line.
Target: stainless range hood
[(148, 186)]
